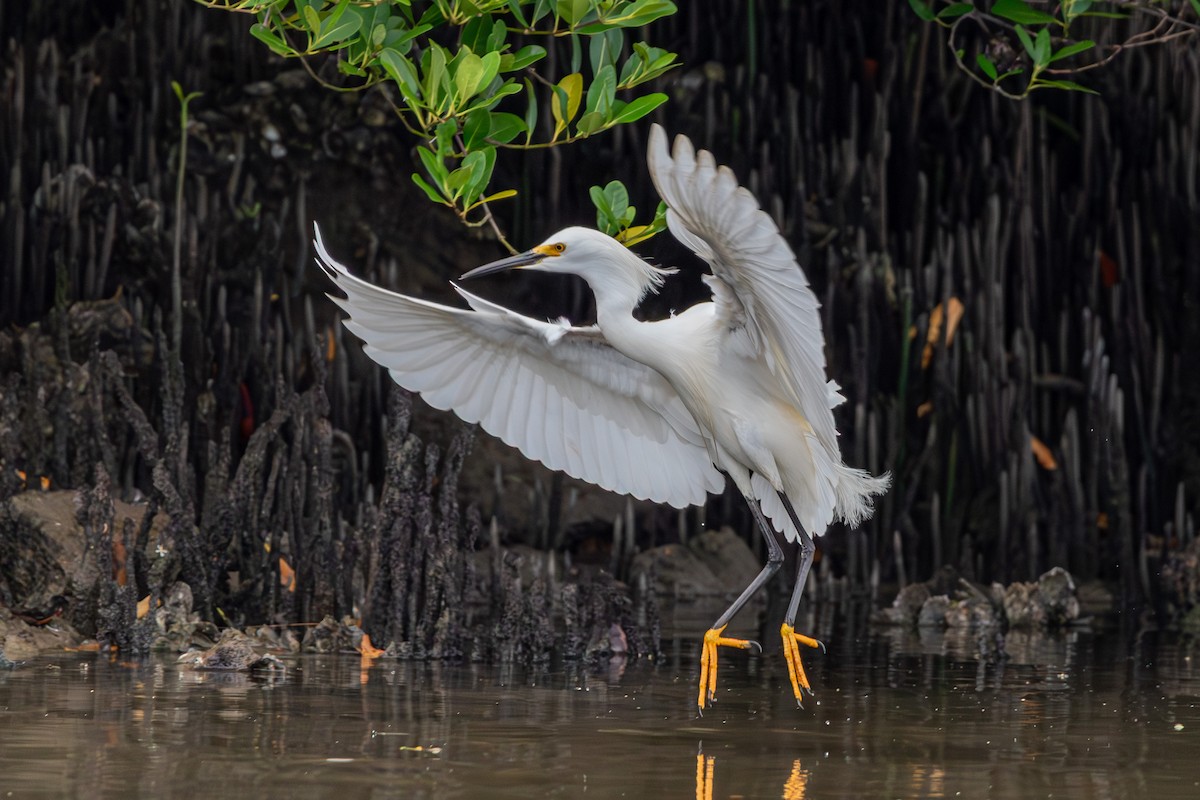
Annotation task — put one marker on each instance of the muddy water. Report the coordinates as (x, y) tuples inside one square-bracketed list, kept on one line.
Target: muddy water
[(1081, 715)]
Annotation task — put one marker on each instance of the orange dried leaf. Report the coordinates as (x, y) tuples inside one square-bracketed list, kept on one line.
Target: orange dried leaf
[(925, 409), (143, 607), (1102, 521), (287, 575), (953, 316), (367, 649), (84, 647), (330, 345), (118, 556), (45, 482), (1042, 453)]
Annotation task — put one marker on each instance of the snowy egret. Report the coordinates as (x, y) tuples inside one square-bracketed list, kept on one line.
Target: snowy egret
[(655, 409)]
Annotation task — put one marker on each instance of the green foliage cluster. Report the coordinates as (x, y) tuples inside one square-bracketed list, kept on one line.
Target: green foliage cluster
[(1043, 32), (469, 76)]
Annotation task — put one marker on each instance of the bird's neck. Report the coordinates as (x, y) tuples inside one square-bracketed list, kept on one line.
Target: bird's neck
[(614, 316), (618, 292)]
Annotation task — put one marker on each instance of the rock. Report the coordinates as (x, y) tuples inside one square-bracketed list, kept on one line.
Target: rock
[(1181, 579), (234, 651), (180, 628), (906, 607), (1056, 593), (44, 550), (330, 636), (971, 612), (676, 571), (933, 612), (1050, 602), (20, 641), (728, 557), (713, 564)]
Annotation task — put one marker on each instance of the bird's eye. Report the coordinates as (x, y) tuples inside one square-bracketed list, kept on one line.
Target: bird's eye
[(559, 247)]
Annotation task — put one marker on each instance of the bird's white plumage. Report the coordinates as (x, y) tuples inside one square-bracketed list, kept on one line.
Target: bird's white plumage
[(759, 288), (770, 317), (561, 395), (645, 408)]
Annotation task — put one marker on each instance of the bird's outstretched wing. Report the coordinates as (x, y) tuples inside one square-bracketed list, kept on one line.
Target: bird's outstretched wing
[(560, 394), (760, 291)]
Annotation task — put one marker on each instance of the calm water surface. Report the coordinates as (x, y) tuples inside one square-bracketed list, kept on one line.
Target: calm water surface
[(1078, 715)]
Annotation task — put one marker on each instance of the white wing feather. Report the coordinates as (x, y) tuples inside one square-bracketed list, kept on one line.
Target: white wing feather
[(758, 286), (561, 395)]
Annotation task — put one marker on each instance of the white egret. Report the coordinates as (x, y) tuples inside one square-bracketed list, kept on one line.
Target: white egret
[(655, 409)]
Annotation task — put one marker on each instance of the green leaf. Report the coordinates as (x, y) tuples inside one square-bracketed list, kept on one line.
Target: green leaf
[(444, 138), (604, 49), (1018, 11), (312, 20), (478, 165), (1041, 46), (530, 54), (564, 104), (268, 37), (491, 68), (635, 15), (491, 100), (435, 76), (955, 10), (612, 207), (337, 26), (1074, 8), (531, 111), (571, 11), (403, 73), (1041, 83), (1073, 48), (430, 192), (477, 126), (589, 123), (467, 76), (987, 66), (503, 194), (1027, 43), (636, 109), (505, 127), (603, 91), (433, 165), (922, 10), (1195, 6)]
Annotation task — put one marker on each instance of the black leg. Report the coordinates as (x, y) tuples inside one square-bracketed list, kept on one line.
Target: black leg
[(807, 550), (713, 638), (791, 639), (774, 562)]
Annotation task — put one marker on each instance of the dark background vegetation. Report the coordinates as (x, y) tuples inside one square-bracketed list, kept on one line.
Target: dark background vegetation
[(1068, 226)]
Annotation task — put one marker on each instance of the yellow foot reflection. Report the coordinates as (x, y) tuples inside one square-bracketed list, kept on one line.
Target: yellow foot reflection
[(708, 662), (791, 653), (704, 776)]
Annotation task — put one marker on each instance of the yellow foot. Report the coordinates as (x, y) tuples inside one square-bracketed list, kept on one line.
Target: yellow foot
[(791, 653), (708, 662)]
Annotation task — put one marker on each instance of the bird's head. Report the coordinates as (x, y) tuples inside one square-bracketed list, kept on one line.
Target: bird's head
[(576, 251), (594, 256)]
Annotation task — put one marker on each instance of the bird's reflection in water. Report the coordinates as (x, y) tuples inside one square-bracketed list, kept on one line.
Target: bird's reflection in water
[(797, 782), (794, 787), (704, 775)]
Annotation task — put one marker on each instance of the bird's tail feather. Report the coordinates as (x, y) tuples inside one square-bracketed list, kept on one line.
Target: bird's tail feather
[(855, 490)]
